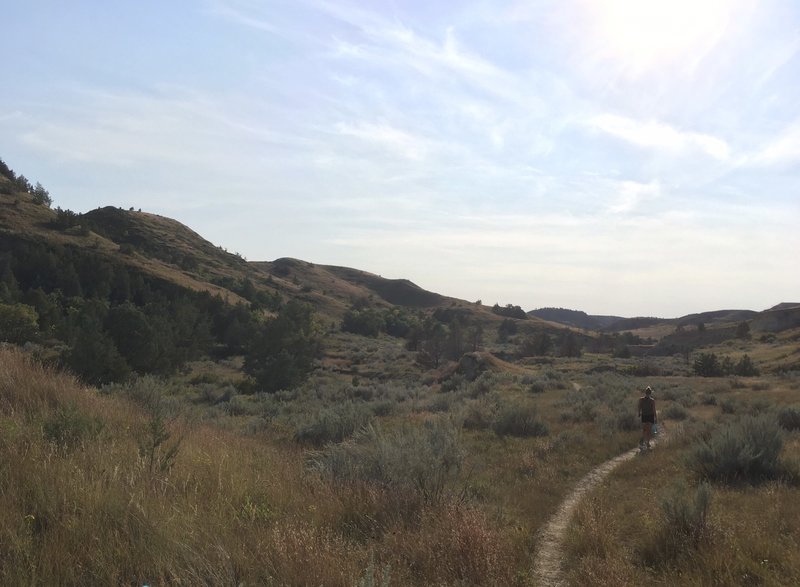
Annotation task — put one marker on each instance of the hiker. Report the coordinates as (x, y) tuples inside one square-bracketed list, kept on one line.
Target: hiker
[(647, 411)]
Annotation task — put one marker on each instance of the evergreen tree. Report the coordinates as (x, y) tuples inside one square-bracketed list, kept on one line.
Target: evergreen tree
[(283, 352), (18, 323)]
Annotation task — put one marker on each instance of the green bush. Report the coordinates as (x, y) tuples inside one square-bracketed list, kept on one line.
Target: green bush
[(620, 420), (683, 525), (728, 406), (68, 427), (477, 415), (789, 418), (746, 450), (519, 420), (333, 424), (426, 459), (675, 412)]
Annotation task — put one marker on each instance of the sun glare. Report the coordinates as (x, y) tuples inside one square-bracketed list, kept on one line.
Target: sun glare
[(648, 33)]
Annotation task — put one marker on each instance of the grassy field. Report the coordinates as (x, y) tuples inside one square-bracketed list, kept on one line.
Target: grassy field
[(378, 472)]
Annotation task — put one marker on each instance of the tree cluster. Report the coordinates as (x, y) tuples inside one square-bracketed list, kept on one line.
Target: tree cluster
[(113, 320), (435, 340), (710, 365), (20, 183), (509, 311), (361, 318)]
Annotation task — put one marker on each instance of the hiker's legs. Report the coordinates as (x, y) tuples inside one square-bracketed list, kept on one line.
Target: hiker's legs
[(647, 432)]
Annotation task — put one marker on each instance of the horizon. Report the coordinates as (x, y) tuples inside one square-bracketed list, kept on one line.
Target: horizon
[(618, 158)]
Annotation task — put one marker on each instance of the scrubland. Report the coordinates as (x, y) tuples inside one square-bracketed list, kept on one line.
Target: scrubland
[(375, 472)]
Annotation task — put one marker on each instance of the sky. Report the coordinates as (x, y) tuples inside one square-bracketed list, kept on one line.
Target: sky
[(622, 157)]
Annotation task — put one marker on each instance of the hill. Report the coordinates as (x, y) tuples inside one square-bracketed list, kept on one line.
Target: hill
[(574, 318)]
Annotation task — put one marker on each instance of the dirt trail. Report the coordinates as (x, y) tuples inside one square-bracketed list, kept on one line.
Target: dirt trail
[(547, 565)]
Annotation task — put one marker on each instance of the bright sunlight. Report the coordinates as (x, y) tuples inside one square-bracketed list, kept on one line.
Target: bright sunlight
[(648, 33)]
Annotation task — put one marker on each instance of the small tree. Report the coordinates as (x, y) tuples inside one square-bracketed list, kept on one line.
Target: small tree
[(507, 328), (745, 367), (41, 196), (707, 365), (743, 330), (569, 347)]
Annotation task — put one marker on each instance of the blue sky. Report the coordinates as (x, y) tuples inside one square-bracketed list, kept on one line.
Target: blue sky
[(628, 157)]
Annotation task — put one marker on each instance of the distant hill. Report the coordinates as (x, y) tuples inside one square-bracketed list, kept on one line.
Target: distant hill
[(575, 318), (165, 250), (718, 316), (786, 306)]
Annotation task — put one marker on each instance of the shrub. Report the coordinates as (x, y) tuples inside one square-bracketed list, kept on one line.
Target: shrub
[(68, 427), (675, 412), (482, 385), (789, 418), (728, 406), (683, 524), (333, 424), (708, 400), (519, 420), (746, 450), (440, 403), (621, 420), (477, 416), (424, 459)]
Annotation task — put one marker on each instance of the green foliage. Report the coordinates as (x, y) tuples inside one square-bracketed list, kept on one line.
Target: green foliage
[(424, 459), (68, 427), (789, 418), (130, 329), (154, 447), (365, 321), (333, 424), (284, 350), (746, 450), (18, 323), (93, 356), (66, 219), (507, 328), (675, 412), (745, 367), (537, 345), (683, 525), (709, 365), (6, 171), (430, 339), (621, 419), (41, 196), (569, 345), (743, 330), (509, 311), (522, 420)]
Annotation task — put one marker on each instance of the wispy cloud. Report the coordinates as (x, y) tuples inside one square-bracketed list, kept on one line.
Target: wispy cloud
[(385, 135), (630, 194), (780, 151), (658, 135)]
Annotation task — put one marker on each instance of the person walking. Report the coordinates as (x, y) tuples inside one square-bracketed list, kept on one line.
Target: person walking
[(647, 412)]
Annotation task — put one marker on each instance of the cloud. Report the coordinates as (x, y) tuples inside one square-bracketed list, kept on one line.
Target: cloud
[(657, 135), (783, 150), (394, 139), (631, 194)]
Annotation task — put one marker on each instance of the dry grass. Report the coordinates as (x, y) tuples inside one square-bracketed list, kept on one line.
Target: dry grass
[(232, 509), (240, 506), (623, 535)]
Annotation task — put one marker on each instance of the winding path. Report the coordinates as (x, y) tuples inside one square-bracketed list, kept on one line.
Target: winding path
[(547, 565)]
